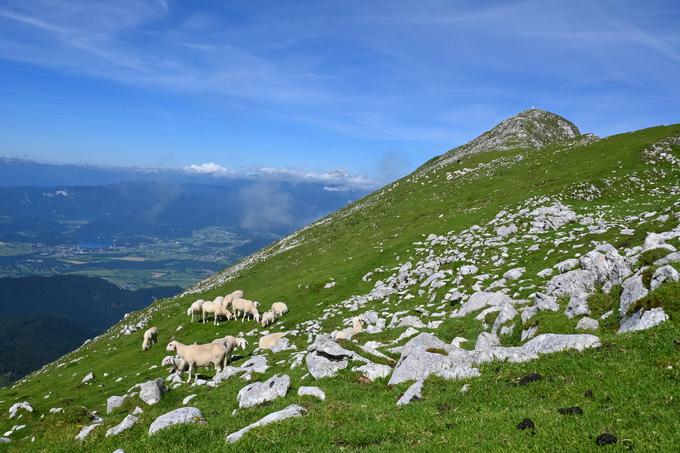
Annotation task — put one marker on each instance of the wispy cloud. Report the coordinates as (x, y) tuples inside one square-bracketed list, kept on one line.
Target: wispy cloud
[(335, 180)]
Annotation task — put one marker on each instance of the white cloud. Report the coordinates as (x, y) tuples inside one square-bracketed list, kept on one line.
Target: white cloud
[(335, 180), (208, 168)]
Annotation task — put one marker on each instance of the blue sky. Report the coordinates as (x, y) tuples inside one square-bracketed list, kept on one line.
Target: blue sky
[(374, 87)]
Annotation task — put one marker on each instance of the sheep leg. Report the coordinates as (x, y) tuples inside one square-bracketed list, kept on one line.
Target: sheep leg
[(191, 369)]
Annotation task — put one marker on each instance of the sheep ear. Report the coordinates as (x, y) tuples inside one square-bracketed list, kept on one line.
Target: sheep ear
[(172, 338)]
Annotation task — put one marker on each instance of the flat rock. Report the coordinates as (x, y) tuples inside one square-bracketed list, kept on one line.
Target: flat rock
[(373, 371), (256, 364), (260, 392), (289, 412), (88, 377), (587, 323), (226, 373), (481, 300), (183, 415), (127, 423), (312, 391)]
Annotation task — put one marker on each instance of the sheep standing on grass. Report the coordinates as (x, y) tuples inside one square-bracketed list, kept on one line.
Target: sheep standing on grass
[(150, 338), (231, 343), (195, 309), (279, 309), (348, 333), (229, 298), (196, 355), (216, 309), (268, 318), (244, 308)]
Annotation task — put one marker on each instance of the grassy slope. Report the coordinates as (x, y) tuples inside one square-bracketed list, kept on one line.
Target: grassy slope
[(634, 391)]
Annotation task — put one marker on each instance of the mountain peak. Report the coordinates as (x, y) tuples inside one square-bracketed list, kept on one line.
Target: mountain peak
[(532, 128)]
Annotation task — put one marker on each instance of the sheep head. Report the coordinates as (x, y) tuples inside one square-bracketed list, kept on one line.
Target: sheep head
[(172, 346)]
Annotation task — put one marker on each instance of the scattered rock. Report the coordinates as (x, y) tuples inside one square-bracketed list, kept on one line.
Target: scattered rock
[(414, 392), (114, 402), (188, 399), (633, 289), (373, 371), (587, 323), (88, 377), (291, 411), (151, 392), (256, 364), (312, 391), (24, 405), (643, 320), (260, 392), (127, 423), (183, 415), (664, 274)]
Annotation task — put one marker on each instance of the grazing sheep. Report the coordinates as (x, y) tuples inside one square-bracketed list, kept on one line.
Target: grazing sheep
[(271, 340), (245, 307), (268, 318), (216, 309), (279, 309), (150, 338), (195, 309), (176, 364), (196, 355), (348, 333)]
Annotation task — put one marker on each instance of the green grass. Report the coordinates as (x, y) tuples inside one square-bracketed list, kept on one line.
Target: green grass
[(633, 388)]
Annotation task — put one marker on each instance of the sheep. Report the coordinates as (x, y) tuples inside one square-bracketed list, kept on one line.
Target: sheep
[(348, 333), (176, 364), (231, 343), (216, 309), (199, 355), (195, 309), (267, 318), (150, 338), (245, 307), (279, 309), (229, 298), (271, 340)]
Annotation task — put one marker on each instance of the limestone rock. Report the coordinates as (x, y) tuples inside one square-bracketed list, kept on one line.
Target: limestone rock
[(643, 320), (151, 392), (127, 423), (312, 391), (291, 411), (183, 415), (260, 392)]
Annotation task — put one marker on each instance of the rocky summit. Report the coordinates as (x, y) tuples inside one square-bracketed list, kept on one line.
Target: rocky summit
[(518, 293)]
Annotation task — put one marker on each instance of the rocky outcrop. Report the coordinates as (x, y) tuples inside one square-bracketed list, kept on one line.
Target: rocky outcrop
[(181, 416)]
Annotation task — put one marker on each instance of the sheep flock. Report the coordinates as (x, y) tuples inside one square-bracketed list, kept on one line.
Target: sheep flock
[(232, 307)]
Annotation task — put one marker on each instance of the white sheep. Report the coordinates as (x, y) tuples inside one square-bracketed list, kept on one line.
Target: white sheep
[(150, 338), (229, 298), (271, 340), (196, 355), (231, 343), (267, 318), (176, 364), (279, 309), (216, 309), (245, 307), (195, 309), (348, 333)]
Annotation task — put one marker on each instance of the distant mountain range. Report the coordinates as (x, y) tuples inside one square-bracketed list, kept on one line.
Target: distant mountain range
[(59, 313)]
